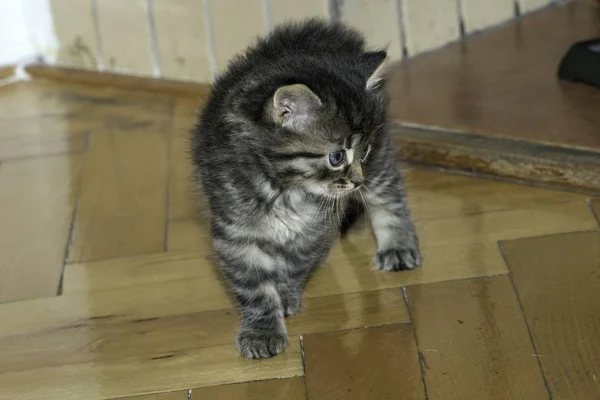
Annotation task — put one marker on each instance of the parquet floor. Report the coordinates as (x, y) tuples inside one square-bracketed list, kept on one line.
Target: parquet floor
[(107, 289)]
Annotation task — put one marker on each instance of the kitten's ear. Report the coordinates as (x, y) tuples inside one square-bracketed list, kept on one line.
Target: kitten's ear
[(293, 106), (374, 64)]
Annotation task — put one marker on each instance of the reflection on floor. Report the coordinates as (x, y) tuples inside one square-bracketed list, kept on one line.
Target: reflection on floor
[(107, 287)]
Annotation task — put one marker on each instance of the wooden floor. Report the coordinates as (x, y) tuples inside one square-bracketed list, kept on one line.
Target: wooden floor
[(493, 103), (107, 288)]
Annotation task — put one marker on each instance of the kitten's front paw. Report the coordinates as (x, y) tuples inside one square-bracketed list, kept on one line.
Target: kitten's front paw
[(256, 344), (398, 259)]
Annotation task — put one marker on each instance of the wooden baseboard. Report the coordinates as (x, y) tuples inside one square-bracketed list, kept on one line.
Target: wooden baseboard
[(553, 166), (6, 72), (129, 82)]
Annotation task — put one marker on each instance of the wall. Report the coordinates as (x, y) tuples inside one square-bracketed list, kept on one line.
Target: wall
[(26, 31), (194, 39)]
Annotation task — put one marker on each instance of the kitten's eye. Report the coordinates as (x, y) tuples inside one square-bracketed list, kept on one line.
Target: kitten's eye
[(337, 158), (364, 157)]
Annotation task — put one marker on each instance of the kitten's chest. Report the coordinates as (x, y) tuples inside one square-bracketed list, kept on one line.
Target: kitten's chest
[(293, 220)]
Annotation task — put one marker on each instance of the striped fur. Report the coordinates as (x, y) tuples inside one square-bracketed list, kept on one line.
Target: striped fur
[(262, 154)]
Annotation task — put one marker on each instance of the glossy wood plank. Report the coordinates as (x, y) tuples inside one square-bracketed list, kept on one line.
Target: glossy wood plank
[(6, 72), (113, 327), (281, 11), (461, 239), (459, 219), (288, 389), (155, 372), (37, 199), (190, 235), (379, 21), (117, 20), (183, 195), (234, 31), (474, 341), (181, 40), (138, 271), (118, 321), (122, 208), (595, 205), (372, 363), (557, 281), (481, 14), (75, 30), (180, 395), (429, 24), (115, 80), (504, 83)]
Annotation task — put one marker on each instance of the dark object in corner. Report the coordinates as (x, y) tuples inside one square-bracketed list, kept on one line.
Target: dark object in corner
[(582, 63)]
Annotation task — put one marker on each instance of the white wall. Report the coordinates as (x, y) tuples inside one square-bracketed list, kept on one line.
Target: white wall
[(26, 31)]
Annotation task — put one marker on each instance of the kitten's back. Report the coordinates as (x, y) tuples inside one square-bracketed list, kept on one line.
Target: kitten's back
[(312, 36)]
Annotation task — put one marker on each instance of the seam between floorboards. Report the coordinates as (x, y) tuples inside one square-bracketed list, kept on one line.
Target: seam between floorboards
[(539, 361)]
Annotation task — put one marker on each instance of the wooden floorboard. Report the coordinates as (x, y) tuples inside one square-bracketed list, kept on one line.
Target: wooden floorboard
[(95, 206), (372, 363), (474, 341), (289, 389), (557, 280), (503, 85)]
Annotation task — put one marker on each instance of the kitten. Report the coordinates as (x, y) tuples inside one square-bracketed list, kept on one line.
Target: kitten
[(292, 133)]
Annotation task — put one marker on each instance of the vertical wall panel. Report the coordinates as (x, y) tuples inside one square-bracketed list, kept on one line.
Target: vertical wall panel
[(430, 24), (378, 20), (74, 26), (125, 35), (530, 5), (235, 24), (181, 40), (481, 14), (286, 10)]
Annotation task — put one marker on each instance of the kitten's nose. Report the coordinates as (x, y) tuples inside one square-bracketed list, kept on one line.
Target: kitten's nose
[(357, 180), (355, 175)]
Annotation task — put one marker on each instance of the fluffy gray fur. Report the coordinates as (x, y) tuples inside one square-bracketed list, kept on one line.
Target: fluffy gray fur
[(266, 153)]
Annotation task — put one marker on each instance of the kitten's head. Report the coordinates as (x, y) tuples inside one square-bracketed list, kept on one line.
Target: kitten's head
[(324, 138)]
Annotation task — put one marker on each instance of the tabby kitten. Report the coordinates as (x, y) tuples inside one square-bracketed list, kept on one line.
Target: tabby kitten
[(292, 133)]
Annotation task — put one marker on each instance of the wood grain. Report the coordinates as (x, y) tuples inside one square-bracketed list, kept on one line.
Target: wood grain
[(180, 395), (474, 341), (289, 389), (122, 208), (6, 72), (595, 205), (37, 199), (138, 271), (152, 373), (372, 363), (108, 79), (504, 83), (557, 281), (183, 194)]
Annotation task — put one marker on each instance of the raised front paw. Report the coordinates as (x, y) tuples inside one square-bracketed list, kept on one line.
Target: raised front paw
[(254, 343), (398, 259)]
